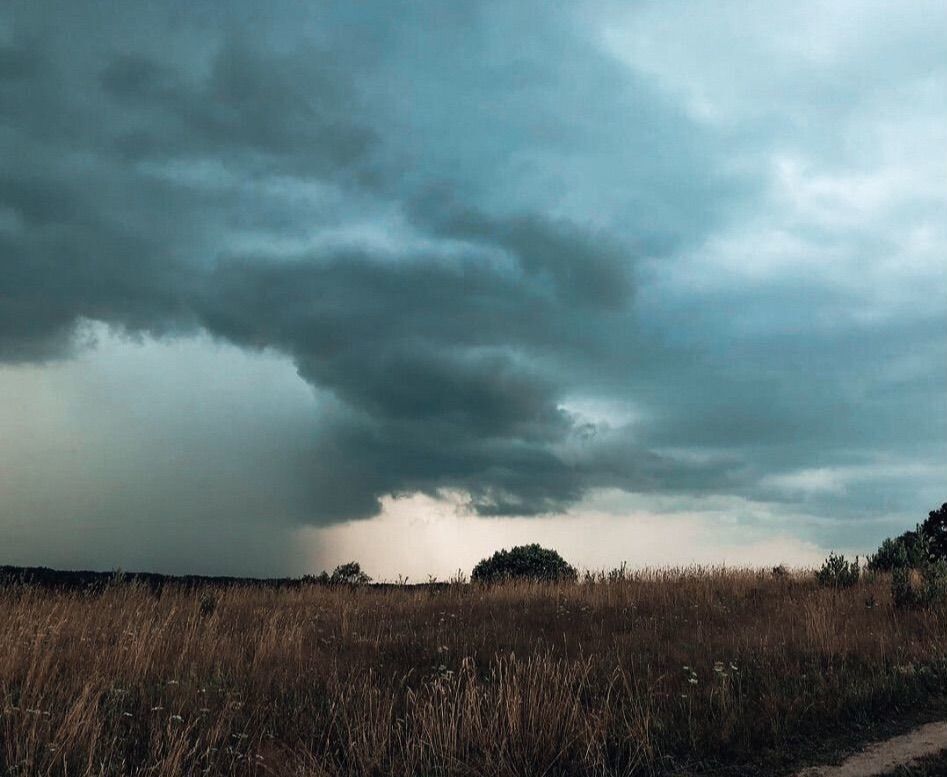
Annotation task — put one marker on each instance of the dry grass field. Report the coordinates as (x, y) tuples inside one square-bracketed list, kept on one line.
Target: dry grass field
[(686, 671)]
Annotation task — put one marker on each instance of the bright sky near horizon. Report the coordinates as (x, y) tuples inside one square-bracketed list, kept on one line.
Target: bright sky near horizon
[(286, 285)]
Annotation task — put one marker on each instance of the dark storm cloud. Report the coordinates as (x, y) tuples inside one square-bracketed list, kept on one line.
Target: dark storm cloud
[(451, 370), (456, 224), (64, 261), (288, 110), (582, 269), (90, 236)]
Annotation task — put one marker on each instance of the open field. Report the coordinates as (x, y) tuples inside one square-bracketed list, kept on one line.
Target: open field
[(688, 671)]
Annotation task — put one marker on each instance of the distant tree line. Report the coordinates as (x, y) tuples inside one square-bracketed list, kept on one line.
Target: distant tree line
[(916, 559)]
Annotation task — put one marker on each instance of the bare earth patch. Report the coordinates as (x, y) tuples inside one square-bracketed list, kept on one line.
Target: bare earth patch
[(884, 757)]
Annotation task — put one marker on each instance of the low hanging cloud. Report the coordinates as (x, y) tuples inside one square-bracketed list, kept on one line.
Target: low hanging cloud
[(465, 225)]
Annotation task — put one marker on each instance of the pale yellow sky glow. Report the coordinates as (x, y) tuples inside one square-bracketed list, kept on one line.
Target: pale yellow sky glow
[(417, 536)]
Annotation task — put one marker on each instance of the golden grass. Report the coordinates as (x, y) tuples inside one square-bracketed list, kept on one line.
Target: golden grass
[(665, 670)]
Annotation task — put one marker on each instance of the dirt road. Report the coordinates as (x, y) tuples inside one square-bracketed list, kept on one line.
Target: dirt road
[(883, 757)]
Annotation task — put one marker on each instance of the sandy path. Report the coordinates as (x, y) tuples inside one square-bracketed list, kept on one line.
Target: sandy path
[(883, 757)]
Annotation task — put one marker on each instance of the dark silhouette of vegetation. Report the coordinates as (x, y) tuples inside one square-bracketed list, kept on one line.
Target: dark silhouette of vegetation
[(349, 573), (524, 562), (907, 550), (96, 582), (935, 529), (913, 549)]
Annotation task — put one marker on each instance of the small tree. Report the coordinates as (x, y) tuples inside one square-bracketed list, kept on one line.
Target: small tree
[(344, 574), (524, 562), (349, 574), (838, 572)]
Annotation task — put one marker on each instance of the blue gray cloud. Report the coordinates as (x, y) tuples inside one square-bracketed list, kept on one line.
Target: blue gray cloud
[(523, 253)]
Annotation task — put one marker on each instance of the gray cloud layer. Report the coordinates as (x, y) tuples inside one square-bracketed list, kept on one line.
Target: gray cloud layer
[(467, 226)]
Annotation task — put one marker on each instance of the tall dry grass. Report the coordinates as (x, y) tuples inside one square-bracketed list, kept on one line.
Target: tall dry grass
[(663, 671)]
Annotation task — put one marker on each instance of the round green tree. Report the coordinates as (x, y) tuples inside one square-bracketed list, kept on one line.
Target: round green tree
[(524, 562)]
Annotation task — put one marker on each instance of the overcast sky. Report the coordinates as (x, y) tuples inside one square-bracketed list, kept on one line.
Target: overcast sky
[(290, 283)]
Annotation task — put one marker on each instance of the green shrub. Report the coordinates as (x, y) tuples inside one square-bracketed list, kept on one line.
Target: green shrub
[(911, 549), (918, 587), (525, 562), (837, 572)]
